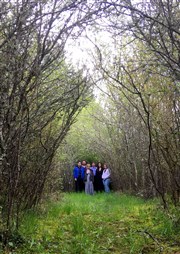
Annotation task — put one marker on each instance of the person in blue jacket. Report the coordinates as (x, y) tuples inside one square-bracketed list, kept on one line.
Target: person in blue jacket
[(77, 172), (83, 170)]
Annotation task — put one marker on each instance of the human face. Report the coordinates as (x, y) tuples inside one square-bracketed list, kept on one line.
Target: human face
[(83, 163), (99, 165), (79, 164), (105, 166), (88, 166), (93, 164)]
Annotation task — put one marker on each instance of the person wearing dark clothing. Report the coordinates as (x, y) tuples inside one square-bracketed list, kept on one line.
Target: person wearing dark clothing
[(78, 176), (89, 179), (83, 170), (99, 181)]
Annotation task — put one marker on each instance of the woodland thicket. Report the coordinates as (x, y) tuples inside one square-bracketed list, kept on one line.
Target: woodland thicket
[(134, 125)]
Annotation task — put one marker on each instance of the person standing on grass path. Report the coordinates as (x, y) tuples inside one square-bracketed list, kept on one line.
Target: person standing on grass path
[(94, 168), (106, 178), (83, 174), (99, 181), (77, 172), (89, 179)]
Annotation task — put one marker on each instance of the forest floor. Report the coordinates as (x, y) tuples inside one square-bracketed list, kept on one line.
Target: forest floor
[(114, 223)]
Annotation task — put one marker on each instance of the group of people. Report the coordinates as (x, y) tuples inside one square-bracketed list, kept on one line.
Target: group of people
[(90, 177)]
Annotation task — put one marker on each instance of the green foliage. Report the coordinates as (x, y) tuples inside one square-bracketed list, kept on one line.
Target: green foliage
[(114, 223), (81, 140)]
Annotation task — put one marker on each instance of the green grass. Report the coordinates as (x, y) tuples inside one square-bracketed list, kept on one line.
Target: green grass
[(114, 223)]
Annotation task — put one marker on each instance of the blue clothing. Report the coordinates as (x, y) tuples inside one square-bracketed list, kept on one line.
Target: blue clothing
[(106, 183), (94, 170), (83, 169), (78, 172)]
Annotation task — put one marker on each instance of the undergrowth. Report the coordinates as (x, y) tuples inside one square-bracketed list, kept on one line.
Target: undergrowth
[(114, 223)]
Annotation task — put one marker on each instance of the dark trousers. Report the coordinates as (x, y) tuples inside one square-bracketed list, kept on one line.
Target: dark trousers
[(79, 185), (99, 184)]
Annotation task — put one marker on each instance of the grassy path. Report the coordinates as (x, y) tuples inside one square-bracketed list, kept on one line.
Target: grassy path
[(80, 224)]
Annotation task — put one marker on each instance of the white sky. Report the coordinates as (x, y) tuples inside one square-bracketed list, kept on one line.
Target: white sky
[(80, 53)]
